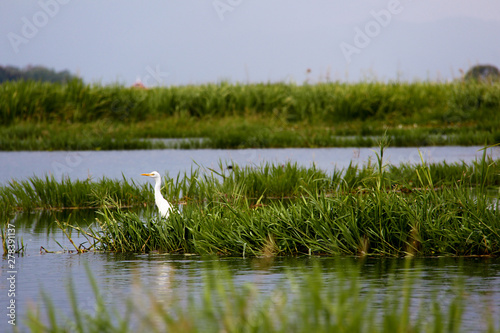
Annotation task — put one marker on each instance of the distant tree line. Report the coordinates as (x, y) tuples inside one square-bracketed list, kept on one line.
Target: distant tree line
[(36, 73), (484, 73)]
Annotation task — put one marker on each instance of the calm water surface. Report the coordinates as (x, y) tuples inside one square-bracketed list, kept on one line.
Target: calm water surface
[(114, 164), (169, 275)]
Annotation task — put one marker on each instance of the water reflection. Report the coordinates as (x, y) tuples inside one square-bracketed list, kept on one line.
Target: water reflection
[(44, 221), (41, 228)]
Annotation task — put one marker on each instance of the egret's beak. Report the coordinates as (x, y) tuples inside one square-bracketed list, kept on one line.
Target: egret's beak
[(146, 174)]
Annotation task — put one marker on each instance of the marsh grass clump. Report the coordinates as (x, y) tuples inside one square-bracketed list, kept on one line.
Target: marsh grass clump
[(357, 216), (277, 180), (425, 222)]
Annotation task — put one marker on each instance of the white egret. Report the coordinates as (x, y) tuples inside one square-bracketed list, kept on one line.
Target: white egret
[(163, 205)]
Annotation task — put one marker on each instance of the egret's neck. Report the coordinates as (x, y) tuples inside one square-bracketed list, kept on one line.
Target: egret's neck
[(157, 184), (158, 195)]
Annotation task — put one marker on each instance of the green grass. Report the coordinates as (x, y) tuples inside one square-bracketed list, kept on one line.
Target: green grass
[(49, 193), (77, 102), (451, 221), (372, 211), (307, 301), (44, 116)]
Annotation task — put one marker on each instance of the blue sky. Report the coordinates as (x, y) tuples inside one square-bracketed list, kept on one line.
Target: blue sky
[(190, 42)]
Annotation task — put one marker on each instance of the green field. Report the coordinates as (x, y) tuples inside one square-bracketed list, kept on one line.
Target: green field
[(73, 116)]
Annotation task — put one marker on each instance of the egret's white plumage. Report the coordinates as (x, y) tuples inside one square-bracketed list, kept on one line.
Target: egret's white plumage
[(163, 205)]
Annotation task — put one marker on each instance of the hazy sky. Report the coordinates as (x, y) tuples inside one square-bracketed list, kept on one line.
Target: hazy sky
[(166, 42)]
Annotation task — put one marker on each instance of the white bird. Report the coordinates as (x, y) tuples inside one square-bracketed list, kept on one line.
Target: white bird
[(163, 205)]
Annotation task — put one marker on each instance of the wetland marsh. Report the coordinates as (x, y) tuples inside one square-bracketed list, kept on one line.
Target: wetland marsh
[(386, 239)]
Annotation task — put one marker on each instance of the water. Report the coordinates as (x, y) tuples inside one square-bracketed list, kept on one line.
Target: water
[(169, 276), (114, 164)]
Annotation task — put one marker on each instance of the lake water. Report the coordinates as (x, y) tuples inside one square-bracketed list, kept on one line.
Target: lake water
[(163, 273), (168, 276), (112, 164)]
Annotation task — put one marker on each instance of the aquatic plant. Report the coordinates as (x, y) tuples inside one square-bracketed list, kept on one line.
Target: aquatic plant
[(10, 244), (372, 215), (369, 221)]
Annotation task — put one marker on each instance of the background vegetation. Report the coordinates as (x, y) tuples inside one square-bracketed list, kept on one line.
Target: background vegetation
[(486, 73), (74, 115), (35, 73)]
